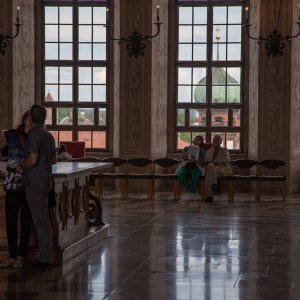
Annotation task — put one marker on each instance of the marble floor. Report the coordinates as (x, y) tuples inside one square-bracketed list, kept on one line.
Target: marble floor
[(179, 251)]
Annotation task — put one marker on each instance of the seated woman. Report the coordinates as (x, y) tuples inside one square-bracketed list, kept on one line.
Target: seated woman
[(63, 155), (218, 165), (189, 171)]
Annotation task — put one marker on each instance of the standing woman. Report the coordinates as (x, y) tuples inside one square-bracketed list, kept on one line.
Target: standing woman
[(15, 199)]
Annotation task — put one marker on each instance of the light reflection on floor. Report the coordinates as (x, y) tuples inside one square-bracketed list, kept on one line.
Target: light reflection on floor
[(179, 251)]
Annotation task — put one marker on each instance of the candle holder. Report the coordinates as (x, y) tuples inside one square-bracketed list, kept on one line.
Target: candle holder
[(136, 42), (5, 39), (274, 42)]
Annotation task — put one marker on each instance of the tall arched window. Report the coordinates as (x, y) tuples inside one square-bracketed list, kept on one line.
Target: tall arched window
[(209, 71), (75, 70)]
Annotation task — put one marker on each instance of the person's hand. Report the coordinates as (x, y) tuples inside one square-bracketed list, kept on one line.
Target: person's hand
[(185, 155), (19, 169)]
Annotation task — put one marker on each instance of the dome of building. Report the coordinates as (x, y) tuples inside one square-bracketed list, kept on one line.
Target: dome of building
[(218, 88)]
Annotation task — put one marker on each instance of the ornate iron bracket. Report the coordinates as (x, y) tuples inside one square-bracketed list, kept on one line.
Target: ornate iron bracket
[(136, 43), (274, 43), (5, 39)]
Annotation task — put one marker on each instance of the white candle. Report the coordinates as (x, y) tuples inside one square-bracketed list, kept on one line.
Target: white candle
[(157, 11), (247, 14)]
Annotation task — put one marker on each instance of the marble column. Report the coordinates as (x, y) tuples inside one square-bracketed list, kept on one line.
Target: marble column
[(17, 66), (274, 89), (142, 101)]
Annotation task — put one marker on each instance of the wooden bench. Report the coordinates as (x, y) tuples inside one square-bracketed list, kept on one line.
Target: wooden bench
[(258, 173)]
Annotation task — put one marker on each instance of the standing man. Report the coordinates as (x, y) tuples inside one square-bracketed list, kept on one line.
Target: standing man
[(37, 172), (218, 160)]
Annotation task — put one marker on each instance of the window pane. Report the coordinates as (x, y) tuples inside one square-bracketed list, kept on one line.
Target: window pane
[(233, 141), (51, 74), (99, 15), (200, 34), (184, 94), (51, 15), (99, 139), (102, 117), (185, 15), (236, 116), (184, 139), (99, 75), (99, 34), (85, 15), (185, 34), (99, 51), (49, 116), (233, 94), (85, 136), (85, 33), (66, 93), (234, 52), (51, 93), (180, 117), (200, 15), (85, 75), (197, 117), (85, 51), (66, 74), (64, 116), (86, 116), (199, 52), (219, 117), (65, 136), (234, 33), (51, 51), (51, 33), (65, 51), (235, 14), (185, 76), (185, 52), (218, 94), (220, 15), (99, 93), (85, 93), (66, 33), (65, 15), (219, 52)]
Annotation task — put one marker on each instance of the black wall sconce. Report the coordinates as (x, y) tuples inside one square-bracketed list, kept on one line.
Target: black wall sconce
[(274, 43), (136, 43), (5, 39)]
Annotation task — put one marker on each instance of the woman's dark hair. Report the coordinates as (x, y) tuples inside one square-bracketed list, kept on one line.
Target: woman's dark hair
[(202, 139), (21, 126)]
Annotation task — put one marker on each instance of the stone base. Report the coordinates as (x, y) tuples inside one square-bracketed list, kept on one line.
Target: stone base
[(73, 242)]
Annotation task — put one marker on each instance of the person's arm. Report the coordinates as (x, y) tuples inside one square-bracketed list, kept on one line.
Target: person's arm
[(32, 150)]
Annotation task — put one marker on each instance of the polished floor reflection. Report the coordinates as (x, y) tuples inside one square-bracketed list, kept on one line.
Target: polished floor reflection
[(179, 251)]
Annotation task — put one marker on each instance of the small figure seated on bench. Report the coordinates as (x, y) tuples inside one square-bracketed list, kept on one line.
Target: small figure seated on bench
[(218, 160), (189, 170)]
